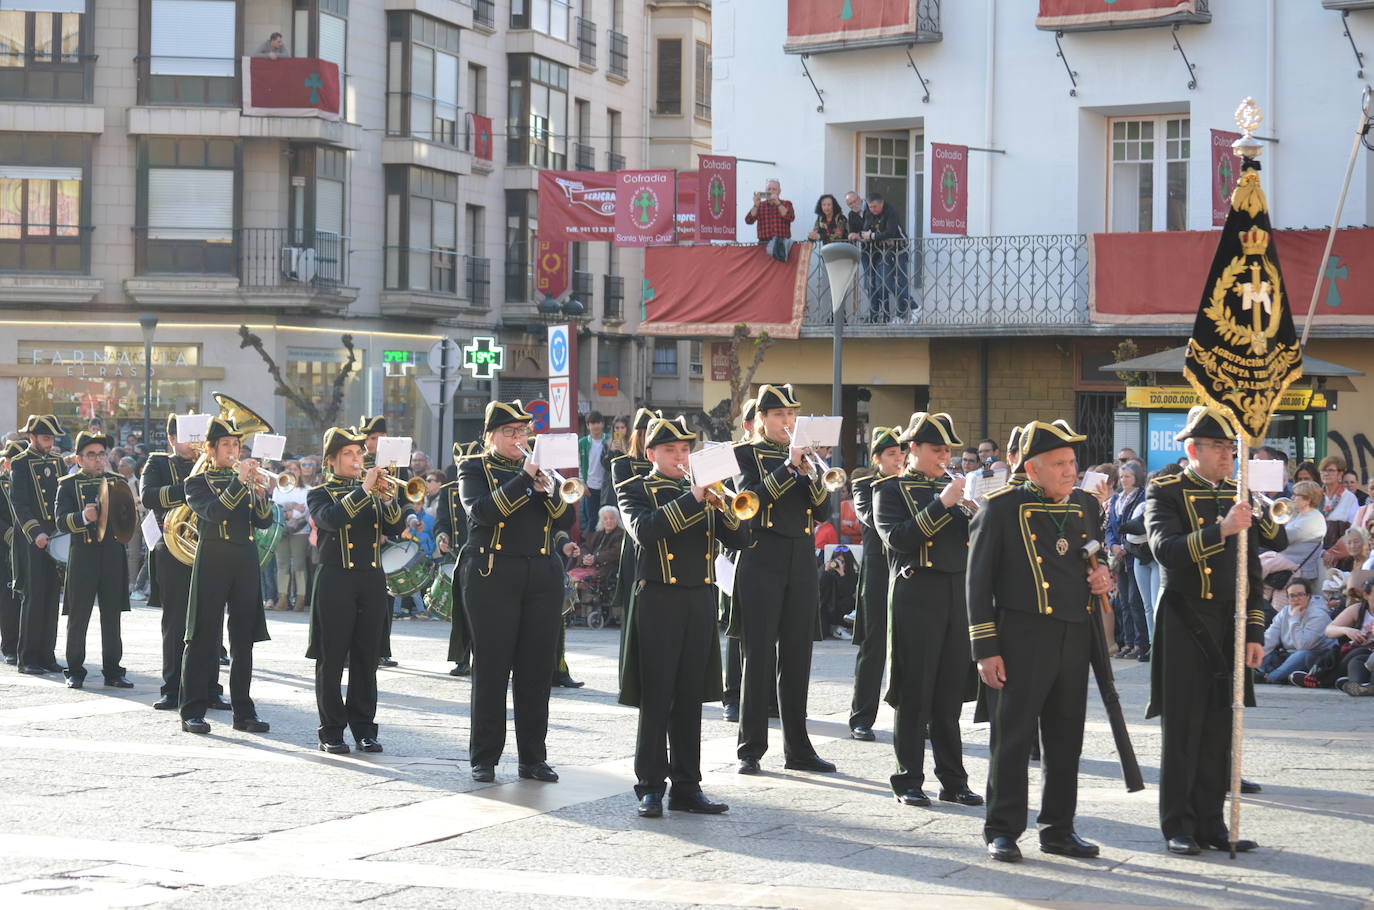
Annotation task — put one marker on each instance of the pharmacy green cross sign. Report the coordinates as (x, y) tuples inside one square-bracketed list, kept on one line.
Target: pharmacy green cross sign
[(483, 357)]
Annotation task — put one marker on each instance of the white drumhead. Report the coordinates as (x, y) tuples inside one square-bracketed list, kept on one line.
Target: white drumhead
[(397, 555), (60, 547), (448, 570)]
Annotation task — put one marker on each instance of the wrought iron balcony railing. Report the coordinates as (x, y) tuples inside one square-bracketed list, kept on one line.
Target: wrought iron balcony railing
[(619, 62), (484, 13), (586, 42), (478, 276), (615, 162), (261, 258), (941, 285), (583, 287), (613, 298), (585, 156)]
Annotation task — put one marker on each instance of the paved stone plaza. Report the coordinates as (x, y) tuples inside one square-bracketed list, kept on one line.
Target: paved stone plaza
[(107, 804)]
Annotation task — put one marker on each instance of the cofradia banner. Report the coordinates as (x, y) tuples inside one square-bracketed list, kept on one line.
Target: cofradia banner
[(1225, 170), (948, 189), (577, 205), (645, 204), (291, 87), (715, 198)]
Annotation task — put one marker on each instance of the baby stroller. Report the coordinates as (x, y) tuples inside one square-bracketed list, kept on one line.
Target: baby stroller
[(591, 592)]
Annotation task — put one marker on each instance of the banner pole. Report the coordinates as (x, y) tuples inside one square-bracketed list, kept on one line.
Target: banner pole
[(1239, 669)]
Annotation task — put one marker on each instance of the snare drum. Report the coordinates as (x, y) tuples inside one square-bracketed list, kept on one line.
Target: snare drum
[(439, 600), (60, 549), (407, 570), (268, 538)]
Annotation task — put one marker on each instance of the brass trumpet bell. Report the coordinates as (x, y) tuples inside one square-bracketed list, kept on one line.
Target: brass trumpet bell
[(571, 490), (832, 479), (743, 506), (413, 489), (1280, 510)]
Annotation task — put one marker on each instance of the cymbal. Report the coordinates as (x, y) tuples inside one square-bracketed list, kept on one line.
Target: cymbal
[(123, 512), (103, 502)]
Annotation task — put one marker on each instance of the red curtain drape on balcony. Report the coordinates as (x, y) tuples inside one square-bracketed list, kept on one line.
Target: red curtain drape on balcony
[(290, 87), (696, 291), (810, 22), (1076, 13)]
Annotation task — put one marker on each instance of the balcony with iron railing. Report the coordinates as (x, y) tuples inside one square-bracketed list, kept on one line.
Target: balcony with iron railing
[(583, 287), (1032, 284), (484, 13), (586, 43), (615, 161), (584, 156), (618, 59), (477, 276), (613, 299)]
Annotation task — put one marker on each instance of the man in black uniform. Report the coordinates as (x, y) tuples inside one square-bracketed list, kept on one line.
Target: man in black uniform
[(353, 512), (229, 504), (373, 429), (1030, 600), (776, 587), (450, 533), (673, 628), (163, 488), (1193, 521), (923, 522), (33, 498), (634, 463), (870, 624), (11, 586), (95, 568)]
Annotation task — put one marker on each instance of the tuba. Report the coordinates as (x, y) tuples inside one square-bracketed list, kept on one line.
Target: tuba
[(179, 528)]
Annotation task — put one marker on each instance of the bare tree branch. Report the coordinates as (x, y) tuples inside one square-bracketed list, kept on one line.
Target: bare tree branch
[(742, 379), (301, 397)]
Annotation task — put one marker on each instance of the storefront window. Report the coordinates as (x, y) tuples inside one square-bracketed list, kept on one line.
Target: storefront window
[(106, 381), (405, 410), (313, 370)]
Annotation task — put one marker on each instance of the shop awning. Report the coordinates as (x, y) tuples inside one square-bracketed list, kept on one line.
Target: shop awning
[(1171, 361)]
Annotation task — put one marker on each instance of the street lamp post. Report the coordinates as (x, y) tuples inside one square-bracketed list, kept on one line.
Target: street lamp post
[(841, 265), (148, 322)]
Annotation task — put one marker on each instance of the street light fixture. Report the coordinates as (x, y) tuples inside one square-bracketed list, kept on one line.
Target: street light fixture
[(148, 323), (841, 265)]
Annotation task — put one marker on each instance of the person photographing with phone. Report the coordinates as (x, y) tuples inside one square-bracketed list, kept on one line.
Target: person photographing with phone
[(771, 214)]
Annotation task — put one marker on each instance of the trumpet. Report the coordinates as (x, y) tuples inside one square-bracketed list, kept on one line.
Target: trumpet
[(413, 489), (831, 478), (743, 506), (1280, 510), (570, 489), (965, 501), (284, 481)]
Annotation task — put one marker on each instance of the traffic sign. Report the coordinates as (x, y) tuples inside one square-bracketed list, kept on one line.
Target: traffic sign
[(559, 399), (436, 355), (558, 350), (539, 408), (429, 387)]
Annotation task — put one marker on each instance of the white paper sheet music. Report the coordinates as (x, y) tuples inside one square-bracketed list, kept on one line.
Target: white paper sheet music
[(816, 432), (192, 427), (556, 450), (1092, 480), (979, 486), (394, 451), (268, 447), (151, 532), (725, 574), (712, 463), (1266, 476)]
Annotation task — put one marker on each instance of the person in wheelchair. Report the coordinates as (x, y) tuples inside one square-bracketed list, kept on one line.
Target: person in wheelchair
[(593, 572)]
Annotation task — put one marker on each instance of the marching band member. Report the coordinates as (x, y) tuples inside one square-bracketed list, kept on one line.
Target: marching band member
[(354, 513), (373, 429), (11, 586), (34, 473), (673, 628), (512, 584), (450, 533), (776, 587), (1194, 522), (229, 505), (870, 622), (923, 522), (634, 463), (95, 568), (1030, 599), (163, 488)]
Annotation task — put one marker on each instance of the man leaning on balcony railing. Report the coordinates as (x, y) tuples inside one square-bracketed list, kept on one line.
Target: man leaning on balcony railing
[(774, 216), (887, 246), (274, 48)]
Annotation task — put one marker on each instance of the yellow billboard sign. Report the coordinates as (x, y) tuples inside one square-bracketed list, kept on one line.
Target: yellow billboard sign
[(1182, 397)]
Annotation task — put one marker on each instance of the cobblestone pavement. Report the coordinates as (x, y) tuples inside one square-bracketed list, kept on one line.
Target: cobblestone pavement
[(107, 804)]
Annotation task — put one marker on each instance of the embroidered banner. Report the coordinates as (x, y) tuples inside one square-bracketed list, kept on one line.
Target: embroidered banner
[(948, 189), (1225, 170), (645, 202), (552, 272), (716, 197), (290, 87)]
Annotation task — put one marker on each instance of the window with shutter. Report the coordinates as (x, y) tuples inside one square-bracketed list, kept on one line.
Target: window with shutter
[(334, 40), (192, 38), (44, 6), (703, 80), (190, 204), (669, 77), (329, 206)]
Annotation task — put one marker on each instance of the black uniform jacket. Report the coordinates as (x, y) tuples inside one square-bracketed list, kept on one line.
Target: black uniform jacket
[(916, 528), (506, 514), (873, 574), (74, 493), (790, 504), (226, 509), (351, 524), (450, 521), (627, 467), (1015, 561), (164, 483), (6, 516), (33, 492)]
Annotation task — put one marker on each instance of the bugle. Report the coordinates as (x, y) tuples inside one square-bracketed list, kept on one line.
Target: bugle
[(831, 478), (743, 506), (1280, 510), (570, 489), (413, 489)]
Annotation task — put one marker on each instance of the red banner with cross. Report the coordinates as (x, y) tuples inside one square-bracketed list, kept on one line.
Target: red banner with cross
[(645, 205), (716, 197), (481, 136), (948, 189), (290, 87)]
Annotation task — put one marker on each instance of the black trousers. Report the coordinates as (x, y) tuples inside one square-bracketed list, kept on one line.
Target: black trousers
[(38, 616), (224, 574), (1195, 723), (734, 672), (515, 608), (871, 660), (777, 590), (1047, 689), (96, 571), (677, 629), (9, 611), (174, 587), (930, 645), (350, 611)]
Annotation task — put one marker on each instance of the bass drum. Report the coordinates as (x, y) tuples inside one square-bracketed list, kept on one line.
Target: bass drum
[(439, 599), (268, 538), (60, 549), (407, 570)]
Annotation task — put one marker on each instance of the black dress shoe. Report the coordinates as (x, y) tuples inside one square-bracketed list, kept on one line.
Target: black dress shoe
[(338, 747), (964, 797), (1249, 786), (386, 662), (10, 659), (218, 703), (165, 703), (748, 766), (862, 734), (1069, 845), (650, 805), (732, 714), (914, 796), (1004, 849), (31, 670), (1184, 846), (75, 682), (567, 682), (696, 802), (811, 762), (483, 774), (1143, 656), (538, 771), (118, 682), (195, 725), (463, 669), (369, 744), (1242, 846), (252, 724)]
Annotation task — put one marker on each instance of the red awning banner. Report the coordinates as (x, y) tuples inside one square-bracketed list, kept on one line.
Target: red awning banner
[(577, 205), (290, 87), (1225, 172), (863, 22), (1056, 14), (696, 291), (687, 182), (716, 197), (552, 271), (481, 136), (645, 203), (948, 189), (1158, 277)]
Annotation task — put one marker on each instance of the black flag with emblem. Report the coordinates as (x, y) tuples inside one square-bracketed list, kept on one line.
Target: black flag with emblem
[(1244, 351)]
